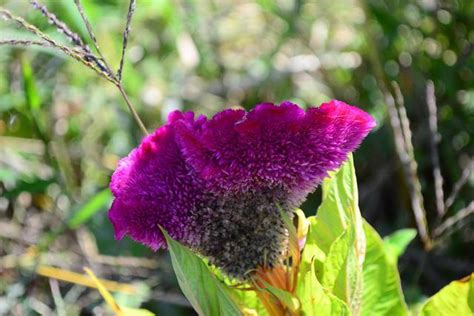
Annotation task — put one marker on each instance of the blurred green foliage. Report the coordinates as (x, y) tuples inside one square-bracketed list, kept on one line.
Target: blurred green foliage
[(63, 129)]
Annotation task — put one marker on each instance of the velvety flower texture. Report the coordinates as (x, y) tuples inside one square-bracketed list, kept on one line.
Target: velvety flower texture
[(217, 185)]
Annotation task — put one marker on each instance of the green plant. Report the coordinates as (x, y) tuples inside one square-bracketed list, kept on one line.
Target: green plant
[(331, 276), (345, 269)]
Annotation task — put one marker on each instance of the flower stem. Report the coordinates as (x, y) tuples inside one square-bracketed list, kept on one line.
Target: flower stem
[(131, 108)]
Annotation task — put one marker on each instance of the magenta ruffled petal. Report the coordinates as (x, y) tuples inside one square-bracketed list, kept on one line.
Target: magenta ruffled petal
[(207, 181), (153, 186), (273, 145)]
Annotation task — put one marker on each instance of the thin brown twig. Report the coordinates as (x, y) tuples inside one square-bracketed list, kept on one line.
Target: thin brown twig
[(131, 108), (75, 54), (86, 23), (117, 78), (82, 52), (453, 220), (404, 121), (60, 25), (403, 141), (126, 32), (402, 137), (75, 38), (407, 139), (20, 42), (434, 141), (460, 183), (91, 33)]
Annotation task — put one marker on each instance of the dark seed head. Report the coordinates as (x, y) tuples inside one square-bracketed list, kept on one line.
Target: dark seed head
[(242, 233)]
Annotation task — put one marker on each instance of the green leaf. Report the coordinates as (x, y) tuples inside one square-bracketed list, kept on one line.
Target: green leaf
[(339, 207), (33, 99), (250, 301), (457, 298), (315, 300), (99, 201), (331, 218), (336, 238), (396, 243), (311, 251), (247, 299), (346, 181), (382, 292), (207, 295), (286, 298), (336, 266), (342, 272)]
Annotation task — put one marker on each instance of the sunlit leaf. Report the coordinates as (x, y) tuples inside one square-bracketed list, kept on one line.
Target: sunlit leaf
[(315, 300), (311, 251), (457, 298), (331, 218), (342, 273), (335, 274), (339, 206), (250, 302), (336, 238), (396, 243), (382, 292), (247, 299), (286, 298), (207, 295)]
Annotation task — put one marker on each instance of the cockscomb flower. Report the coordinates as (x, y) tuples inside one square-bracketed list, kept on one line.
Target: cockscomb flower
[(218, 185)]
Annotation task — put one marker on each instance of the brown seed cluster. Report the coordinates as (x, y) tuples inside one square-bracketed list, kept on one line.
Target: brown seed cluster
[(243, 232)]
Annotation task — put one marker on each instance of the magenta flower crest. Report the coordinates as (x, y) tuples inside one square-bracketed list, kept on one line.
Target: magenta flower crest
[(217, 184)]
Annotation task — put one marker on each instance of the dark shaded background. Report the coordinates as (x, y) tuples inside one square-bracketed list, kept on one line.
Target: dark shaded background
[(62, 128)]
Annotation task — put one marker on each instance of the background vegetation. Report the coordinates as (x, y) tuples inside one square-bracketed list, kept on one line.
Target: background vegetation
[(63, 128)]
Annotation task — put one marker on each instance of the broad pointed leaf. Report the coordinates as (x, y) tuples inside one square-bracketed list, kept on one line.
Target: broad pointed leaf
[(396, 243), (457, 298), (286, 298), (382, 292), (342, 273), (33, 99), (311, 251), (315, 300), (336, 238), (207, 295), (98, 202)]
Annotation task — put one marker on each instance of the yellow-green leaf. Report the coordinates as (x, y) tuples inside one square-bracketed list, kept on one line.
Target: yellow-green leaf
[(207, 295), (98, 202), (286, 298), (382, 292), (33, 99), (315, 300), (337, 232), (311, 251), (396, 243), (457, 298)]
